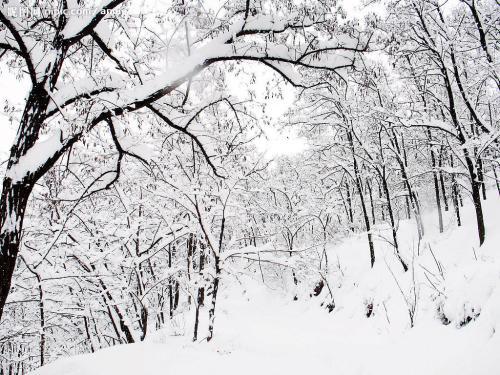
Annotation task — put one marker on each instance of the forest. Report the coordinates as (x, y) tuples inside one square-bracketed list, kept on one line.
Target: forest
[(245, 186)]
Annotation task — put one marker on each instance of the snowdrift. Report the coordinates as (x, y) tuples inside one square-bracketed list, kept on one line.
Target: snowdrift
[(441, 317)]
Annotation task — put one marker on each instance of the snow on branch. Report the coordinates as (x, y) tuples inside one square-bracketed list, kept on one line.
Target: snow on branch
[(78, 27), (35, 157)]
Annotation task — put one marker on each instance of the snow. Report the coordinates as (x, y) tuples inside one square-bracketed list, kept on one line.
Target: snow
[(35, 157), (79, 88), (219, 49), (260, 329), (77, 22)]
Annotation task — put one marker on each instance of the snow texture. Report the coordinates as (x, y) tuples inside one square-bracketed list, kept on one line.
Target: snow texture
[(260, 329)]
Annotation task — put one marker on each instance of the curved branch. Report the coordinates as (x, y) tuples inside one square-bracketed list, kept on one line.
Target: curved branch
[(190, 135)]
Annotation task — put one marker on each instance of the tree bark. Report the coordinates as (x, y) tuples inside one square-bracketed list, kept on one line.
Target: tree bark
[(362, 199), (215, 289), (412, 198), (476, 199), (454, 194), (13, 205), (436, 181), (349, 205), (391, 217), (370, 193), (200, 299), (496, 178), (441, 179), (15, 193)]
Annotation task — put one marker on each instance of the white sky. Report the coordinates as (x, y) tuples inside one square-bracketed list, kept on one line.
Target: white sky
[(274, 142)]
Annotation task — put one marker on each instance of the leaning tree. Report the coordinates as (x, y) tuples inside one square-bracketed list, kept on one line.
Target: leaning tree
[(93, 64)]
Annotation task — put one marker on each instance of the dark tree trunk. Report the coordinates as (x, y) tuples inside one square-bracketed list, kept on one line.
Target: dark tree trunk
[(191, 248), (362, 199), (455, 203), (176, 294), (15, 193), (349, 206), (200, 299), (215, 289), (370, 194), (173, 285), (144, 322), (87, 332), (496, 178), (13, 205), (471, 168), (441, 179), (408, 209), (436, 181), (121, 320), (170, 286), (382, 205), (42, 320), (480, 176), (41, 310), (438, 201), (454, 194), (476, 199), (391, 217), (412, 197)]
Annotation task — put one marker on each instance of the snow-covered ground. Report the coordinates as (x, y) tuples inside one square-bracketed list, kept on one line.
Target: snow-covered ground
[(261, 330)]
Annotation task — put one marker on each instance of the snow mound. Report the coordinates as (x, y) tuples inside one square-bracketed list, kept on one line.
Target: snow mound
[(453, 286)]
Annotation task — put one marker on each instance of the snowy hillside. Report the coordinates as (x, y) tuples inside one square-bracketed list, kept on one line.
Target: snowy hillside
[(262, 330)]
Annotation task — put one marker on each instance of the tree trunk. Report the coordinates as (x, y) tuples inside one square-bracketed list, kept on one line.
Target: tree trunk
[(349, 205), (370, 193), (454, 194), (362, 199), (480, 176), (411, 201), (87, 332), (42, 320), (391, 217), (211, 312), (121, 319), (441, 179), (438, 201), (496, 178), (15, 193), (412, 197), (13, 205), (476, 199), (436, 181), (200, 299), (382, 205)]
